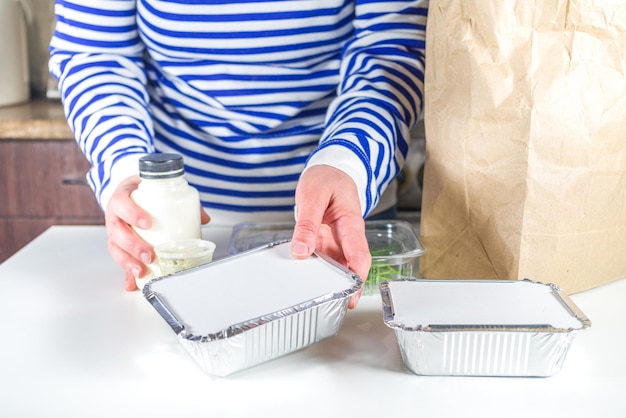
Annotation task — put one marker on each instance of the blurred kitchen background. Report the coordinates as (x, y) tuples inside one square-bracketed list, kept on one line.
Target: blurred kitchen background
[(26, 28)]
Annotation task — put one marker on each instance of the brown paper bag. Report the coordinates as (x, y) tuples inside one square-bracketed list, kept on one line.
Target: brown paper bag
[(525, 116)]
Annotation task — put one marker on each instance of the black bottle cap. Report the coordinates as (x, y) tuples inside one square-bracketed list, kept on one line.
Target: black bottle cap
[(161, 166)]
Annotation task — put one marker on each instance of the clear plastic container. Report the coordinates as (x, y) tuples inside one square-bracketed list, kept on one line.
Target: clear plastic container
[(249, 235), (394, 245), (175, 256)]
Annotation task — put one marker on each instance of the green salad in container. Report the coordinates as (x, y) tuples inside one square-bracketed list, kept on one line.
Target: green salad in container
[(395, 247)]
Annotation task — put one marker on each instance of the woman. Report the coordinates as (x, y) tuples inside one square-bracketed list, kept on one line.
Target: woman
[(271, 104)]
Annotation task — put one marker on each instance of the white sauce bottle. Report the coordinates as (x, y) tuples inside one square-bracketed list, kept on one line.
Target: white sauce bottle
[(173, 205)]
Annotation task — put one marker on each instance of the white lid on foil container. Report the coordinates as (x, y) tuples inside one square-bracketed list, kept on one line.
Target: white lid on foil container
[(440, 304), (246, 288)]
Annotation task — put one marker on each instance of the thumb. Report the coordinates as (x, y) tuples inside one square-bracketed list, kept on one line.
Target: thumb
[(311, 203), (304, 238)]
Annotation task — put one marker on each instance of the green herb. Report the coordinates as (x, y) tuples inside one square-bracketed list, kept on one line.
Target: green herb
[(381, 270)]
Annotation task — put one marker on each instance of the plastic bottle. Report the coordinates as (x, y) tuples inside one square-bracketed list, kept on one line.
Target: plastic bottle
[(173, 205)]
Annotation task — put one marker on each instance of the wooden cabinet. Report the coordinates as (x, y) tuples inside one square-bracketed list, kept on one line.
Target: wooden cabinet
[(42, 183)]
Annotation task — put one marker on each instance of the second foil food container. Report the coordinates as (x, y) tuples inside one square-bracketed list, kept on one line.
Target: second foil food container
[(481, 327), (240, 311)]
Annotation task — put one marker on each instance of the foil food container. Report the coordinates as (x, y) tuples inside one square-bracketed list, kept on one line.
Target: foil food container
[(247, 309), (481, 327), (394, 246)]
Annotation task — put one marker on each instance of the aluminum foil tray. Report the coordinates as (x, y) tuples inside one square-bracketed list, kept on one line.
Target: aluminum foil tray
[(246, 309), (481, 327)]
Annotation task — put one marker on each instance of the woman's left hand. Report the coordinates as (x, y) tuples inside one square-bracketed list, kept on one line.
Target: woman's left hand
[(329, 220)]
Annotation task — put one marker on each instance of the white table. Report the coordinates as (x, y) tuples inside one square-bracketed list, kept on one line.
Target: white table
[(75, 344)]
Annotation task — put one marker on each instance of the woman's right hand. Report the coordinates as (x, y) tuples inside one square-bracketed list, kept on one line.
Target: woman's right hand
[(126, 247)]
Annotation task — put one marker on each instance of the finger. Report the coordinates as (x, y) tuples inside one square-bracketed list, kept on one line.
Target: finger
[(122, 213), (350, 236), (132, 267), (122, 206), (130, 284), (354, 299), (204, 217), (327, 244), (127, 241)]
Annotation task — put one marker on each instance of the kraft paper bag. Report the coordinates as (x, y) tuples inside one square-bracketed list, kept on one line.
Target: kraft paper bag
[(525, 118)]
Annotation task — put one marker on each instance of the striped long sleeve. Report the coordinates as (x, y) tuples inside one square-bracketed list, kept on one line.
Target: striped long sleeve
[(249, 92)]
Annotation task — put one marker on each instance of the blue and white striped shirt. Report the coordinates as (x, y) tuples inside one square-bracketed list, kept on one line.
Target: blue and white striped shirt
[(248, 91)]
